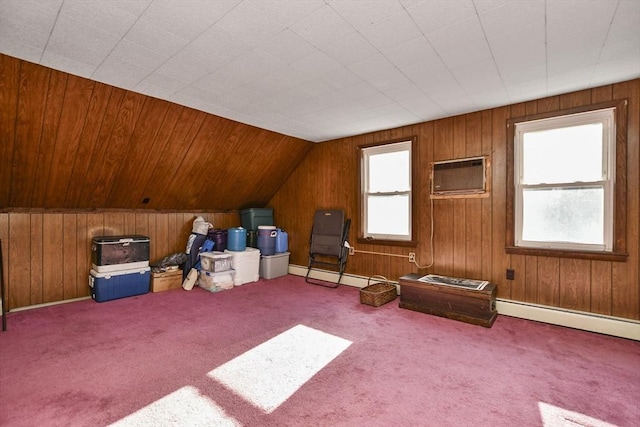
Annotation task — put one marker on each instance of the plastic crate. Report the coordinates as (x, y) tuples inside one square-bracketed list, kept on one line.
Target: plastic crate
[(215, 261), (272, 266), (252, 218)]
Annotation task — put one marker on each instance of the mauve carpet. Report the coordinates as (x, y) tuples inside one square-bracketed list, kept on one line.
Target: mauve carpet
[(93, 364)]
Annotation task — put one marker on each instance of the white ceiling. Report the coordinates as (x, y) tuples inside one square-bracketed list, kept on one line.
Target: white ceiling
[(323, 69)]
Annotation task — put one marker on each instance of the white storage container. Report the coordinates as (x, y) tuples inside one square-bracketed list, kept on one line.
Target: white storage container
[(246, 264), (214, 282), (272, 266), (215, 261)]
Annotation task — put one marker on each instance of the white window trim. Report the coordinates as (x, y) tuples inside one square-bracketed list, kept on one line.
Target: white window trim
[(382, 149), (607, 118)]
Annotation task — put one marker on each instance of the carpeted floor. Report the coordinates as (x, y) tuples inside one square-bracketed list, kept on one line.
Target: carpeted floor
[(159, 359)]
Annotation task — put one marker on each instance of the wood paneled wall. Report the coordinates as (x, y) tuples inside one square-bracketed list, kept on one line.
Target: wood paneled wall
[(69, 142), (47, 255), (469, 234)]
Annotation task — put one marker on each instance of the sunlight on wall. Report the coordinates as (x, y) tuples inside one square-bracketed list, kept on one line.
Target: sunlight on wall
[(185, 406), (553, 416), (267, 375)]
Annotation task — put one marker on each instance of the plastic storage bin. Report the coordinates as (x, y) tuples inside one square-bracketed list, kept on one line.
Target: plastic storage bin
[(252, 218), (119, 284), (273, 266), (113, 253), (246, 264), (215, 261), (214, 282)]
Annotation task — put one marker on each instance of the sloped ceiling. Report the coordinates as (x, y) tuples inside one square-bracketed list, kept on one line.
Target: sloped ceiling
[(72, 143), (323, 69)]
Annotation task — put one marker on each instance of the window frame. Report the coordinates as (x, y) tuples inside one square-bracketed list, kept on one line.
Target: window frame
[(618, 251), (413, 208)]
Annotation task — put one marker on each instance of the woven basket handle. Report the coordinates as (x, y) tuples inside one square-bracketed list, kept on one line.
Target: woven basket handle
[(377, 276)]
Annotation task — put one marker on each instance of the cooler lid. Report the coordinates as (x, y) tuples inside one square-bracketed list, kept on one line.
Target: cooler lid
[(109, 274), (107, 240)]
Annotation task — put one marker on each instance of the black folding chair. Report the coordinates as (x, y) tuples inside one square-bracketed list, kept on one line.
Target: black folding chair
[(329, 234)]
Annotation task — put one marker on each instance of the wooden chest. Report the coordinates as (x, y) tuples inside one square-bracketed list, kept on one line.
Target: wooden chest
[(472, 306)]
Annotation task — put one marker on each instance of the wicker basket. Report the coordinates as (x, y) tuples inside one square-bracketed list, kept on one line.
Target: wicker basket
[(377, 294)]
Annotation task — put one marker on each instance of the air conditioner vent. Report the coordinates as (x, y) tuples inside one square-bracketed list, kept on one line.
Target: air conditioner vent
[(460, 177)]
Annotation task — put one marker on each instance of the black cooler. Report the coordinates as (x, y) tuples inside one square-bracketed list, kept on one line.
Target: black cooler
[(114, 253)]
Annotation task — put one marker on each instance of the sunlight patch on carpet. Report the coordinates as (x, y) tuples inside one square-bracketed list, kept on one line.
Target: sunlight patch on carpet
[(183, 407), (268, 374), (553, 416)]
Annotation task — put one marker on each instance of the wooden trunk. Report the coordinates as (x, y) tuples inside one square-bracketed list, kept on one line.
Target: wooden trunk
[(472, 306)]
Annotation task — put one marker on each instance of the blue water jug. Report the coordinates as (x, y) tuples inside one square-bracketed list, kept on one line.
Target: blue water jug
[(237, 239), (282, 241)]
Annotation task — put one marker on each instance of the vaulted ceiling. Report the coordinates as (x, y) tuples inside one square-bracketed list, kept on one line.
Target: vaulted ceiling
[(323, 69), (67, 142)]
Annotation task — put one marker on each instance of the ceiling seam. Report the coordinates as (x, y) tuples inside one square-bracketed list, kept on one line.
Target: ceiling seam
[(187, 45), (493, 58), (439, 57), (55, 22), (604, 42), (546, 49), (119, 41)]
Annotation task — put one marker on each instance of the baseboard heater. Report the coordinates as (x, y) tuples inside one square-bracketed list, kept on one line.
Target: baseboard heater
[(608, 325)]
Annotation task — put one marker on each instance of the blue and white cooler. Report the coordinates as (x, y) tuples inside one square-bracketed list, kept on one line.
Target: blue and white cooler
[(119, 267), (119, 284)]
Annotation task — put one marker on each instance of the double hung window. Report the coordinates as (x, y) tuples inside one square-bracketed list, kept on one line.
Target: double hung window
[(387, 192), (564, 175)]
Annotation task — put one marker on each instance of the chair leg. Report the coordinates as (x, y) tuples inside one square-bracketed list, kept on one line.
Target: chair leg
[(319, 282)]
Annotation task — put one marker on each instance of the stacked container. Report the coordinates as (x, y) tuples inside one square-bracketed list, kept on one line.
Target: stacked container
[(282, 241), (267, 239), (276, 265), (236, 239), (252, 218), (215, 271), (272, 242), (219, 237), (119, 267), (246, 265)]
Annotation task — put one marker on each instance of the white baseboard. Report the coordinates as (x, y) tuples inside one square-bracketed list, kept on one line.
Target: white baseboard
[(608, 325)]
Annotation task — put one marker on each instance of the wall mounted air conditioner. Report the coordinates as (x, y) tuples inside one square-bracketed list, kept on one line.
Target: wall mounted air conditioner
[(468, 177)]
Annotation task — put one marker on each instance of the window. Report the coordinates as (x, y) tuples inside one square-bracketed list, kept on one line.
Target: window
[(386, 204), (563, 192)]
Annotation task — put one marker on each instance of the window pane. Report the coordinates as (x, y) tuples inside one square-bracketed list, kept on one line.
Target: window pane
[(569, 154), (388, 215), (389, 172), (573, 215)]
